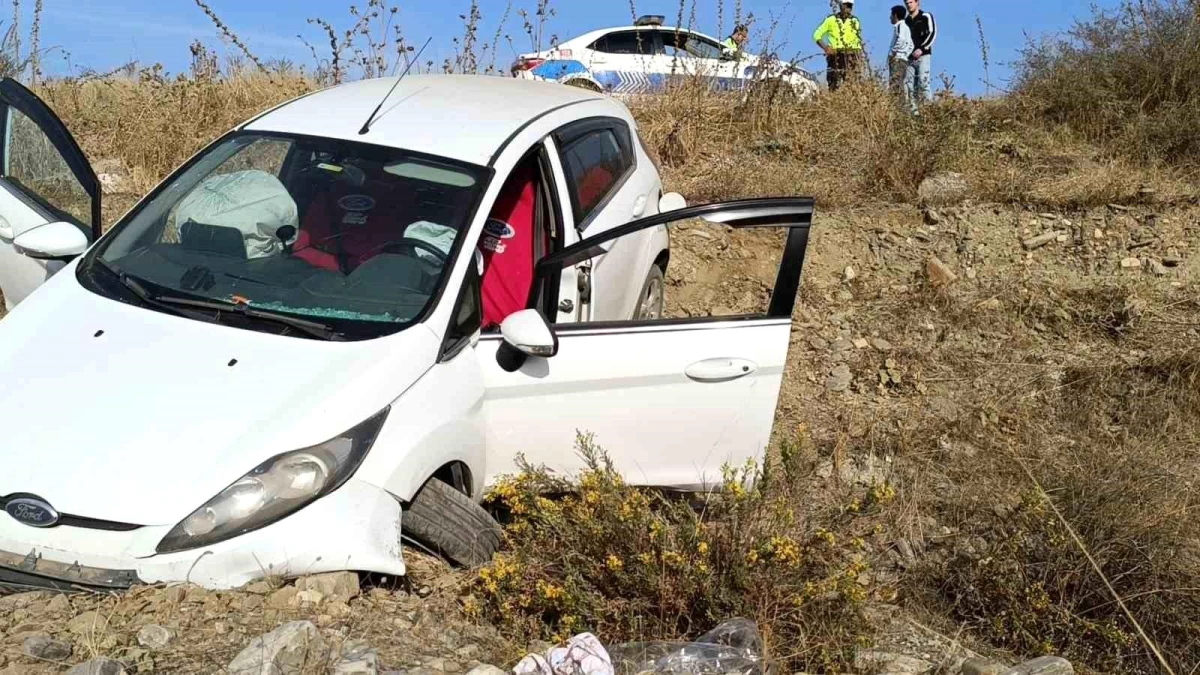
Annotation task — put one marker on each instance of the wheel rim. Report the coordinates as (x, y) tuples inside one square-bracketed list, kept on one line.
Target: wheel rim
[(652, 301)]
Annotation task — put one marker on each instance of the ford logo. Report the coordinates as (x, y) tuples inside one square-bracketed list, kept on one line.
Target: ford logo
[(32, 511)]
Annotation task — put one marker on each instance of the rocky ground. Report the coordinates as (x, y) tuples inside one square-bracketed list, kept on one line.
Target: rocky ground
[(907, 317)]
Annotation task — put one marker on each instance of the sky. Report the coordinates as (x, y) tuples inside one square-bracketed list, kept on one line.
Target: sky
[(103, 34)]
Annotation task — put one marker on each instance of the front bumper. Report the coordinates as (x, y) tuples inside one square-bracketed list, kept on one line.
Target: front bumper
[(355, 528)]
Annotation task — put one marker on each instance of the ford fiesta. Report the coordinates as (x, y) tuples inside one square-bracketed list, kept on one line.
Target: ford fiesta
[(339, 322)]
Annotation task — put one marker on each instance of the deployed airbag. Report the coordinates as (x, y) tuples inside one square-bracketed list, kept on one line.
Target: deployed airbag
[(252, 201)]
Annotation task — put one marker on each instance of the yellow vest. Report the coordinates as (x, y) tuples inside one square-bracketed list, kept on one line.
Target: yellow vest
[(842, 34)]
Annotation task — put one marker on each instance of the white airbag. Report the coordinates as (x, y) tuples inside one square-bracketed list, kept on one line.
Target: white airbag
[(251, 201)]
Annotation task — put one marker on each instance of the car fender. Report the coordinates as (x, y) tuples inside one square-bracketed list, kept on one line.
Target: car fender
[(436, 422)]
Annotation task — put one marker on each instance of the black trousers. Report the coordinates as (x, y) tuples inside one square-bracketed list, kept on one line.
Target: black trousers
[(840, 66)]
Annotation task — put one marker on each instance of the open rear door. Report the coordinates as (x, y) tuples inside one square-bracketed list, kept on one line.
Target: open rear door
[(671, 400), (44, 177)]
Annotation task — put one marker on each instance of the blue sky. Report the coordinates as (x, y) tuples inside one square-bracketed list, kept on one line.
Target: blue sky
[(102, 34)]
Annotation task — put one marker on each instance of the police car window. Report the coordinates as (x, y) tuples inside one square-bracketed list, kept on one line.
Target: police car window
[(626, 42), (594, 164), (701, 48)]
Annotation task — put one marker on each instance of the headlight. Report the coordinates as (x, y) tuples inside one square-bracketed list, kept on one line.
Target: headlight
[(277, 487)]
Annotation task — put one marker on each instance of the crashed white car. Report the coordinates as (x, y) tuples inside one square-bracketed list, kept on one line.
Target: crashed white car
[(646, 57), (319, 333)]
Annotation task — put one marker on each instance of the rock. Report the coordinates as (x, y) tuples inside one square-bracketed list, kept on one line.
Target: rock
[(1158, 269), (881, 345), (338, 586), (881, 662), (86, 623), (839, 378), (258, 588), (1098, 233), (154, 636), (310, 597), (1046, 665), (487, 669), (282, 598), (1131, 263), (467, 653), (252, 602), (842, 345), (818, 343), (1040, 240), (1062, 238), (286, 649), (44, 648), (1172, 260), (932, 217), (361, 660), (945, 189), (99, 667), (22, 600), (982, 666), (849, 274), (58, 604), (175, 594), (861, 343), (939, 273)]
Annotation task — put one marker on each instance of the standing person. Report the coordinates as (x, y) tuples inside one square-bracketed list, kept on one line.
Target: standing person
[(901, 49), (843, 52), (924, 33)]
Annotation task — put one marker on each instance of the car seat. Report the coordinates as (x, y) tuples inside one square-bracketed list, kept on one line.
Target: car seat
[(592, 186), (507, 247), (344, 225)]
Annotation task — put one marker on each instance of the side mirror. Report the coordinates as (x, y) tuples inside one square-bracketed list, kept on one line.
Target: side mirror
[(672, 201), (58, 240), (525, 333)]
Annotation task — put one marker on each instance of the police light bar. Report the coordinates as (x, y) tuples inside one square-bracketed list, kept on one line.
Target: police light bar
[(649, 20)]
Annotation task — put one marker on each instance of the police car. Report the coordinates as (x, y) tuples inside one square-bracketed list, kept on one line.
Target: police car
[(646, 57)]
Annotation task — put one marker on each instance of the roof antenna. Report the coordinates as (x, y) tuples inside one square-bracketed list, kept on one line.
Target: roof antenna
[(366, 125)]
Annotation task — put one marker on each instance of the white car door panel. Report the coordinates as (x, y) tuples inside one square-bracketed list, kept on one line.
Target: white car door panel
[(45, 176), (671, 401)]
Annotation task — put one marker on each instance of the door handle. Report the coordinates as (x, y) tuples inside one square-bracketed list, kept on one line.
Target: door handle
[(720, 369), (6, 230), (639, 206)]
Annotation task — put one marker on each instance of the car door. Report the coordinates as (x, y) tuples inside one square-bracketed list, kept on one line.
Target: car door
[(620, 61), (44, 177), (699, 56), (607, 187), (671, 400)]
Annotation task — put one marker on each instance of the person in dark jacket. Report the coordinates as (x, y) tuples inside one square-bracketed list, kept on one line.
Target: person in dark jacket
[(924, 32)]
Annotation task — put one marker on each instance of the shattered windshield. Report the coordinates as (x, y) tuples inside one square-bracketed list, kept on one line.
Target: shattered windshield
[(333, 231)]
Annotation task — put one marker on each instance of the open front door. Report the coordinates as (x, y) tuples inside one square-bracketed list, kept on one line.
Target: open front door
[(44, 177), (670, 400)]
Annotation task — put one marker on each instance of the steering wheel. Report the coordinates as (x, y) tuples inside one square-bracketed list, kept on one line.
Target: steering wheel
[(414, 244)]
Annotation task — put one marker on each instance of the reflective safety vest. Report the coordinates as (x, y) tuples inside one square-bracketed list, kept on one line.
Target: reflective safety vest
[(843, 34)]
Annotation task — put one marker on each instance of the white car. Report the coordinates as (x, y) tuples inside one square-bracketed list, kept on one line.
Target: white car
[(307, 340), (647, 56)]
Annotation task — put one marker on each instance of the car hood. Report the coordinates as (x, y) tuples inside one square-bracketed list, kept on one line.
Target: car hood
[(121, 413)]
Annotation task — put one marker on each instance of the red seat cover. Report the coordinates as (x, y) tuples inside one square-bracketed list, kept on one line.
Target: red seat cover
[(357, 221), (507, 248)]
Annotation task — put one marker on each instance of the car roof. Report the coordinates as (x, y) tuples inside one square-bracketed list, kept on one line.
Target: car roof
[(462, 117), (594, 34)]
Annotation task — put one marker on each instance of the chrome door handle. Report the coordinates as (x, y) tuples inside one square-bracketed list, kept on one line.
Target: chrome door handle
[(720, 369), (639, 206)]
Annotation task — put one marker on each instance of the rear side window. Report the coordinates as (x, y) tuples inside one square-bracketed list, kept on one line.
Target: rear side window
[(627, 42), (594, 163)]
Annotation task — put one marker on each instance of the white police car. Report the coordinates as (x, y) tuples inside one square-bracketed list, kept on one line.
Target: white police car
[(647, 56)]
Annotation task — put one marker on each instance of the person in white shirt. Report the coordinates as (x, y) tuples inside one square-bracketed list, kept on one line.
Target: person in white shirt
[(900, 50)]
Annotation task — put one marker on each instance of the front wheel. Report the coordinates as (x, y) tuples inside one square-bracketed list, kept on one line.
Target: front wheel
[(451, 524), (652, 298)]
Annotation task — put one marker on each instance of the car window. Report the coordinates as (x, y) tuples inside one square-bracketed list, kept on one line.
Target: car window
[(593, 163), (686, 44), (351, 234), (628, 42), (32, 162)]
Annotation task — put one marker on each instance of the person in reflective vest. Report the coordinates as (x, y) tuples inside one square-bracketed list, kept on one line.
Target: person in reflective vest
[(732, 46), (840, 37)]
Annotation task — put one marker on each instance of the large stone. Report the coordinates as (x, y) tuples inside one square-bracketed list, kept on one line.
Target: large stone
[(361, 660), (86, 624), (99, 667), (1046, 665), (154, 636), (44, 648), (335, 586), (944, 189), (839, 378), (292, 647), (283, 598), (982, 666), (939, 272)]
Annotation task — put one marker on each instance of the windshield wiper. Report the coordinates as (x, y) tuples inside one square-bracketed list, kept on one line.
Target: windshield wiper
[(149, 298), (314, 328)]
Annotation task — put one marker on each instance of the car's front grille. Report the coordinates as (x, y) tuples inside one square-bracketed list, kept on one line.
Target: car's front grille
[(81, 521)]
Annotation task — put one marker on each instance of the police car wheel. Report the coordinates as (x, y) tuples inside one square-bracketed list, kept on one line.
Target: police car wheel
[(653, 297)]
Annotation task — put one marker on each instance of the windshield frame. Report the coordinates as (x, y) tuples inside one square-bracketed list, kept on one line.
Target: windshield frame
[(85, 270)]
